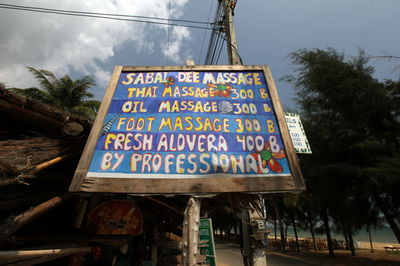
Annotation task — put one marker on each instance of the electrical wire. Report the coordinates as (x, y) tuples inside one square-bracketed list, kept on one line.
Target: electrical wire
[(211, 45), (219, 53), (216, 48), (215, 35), (215, 39), (106, 16), (169, 14), (235, 50), (204, 36)]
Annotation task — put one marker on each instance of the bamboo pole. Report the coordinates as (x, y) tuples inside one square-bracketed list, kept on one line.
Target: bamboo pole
[(33, 170), (15, 223), (71, 237), (37, 168), (41, 252), (9, 181), (36, 260), (81, 210), (23, 200)]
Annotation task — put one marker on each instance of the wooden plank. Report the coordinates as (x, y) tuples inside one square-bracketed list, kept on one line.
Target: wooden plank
[(190, 186), (190, 68), (94, 133), (290, 152)]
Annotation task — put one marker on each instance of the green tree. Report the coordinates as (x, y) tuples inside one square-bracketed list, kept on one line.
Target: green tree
[(64, 93), (352, 121)]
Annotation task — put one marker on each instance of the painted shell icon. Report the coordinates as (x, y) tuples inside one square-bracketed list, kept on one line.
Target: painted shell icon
[(225, 107)]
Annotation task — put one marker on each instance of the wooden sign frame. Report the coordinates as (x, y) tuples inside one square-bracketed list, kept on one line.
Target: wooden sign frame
[(159, 185)]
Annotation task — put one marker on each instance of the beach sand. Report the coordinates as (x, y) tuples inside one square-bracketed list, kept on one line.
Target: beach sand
[(364, 256), (376, 245)]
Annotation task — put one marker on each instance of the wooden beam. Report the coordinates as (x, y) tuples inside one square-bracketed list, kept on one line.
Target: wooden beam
[(15, 223), (164, 204)]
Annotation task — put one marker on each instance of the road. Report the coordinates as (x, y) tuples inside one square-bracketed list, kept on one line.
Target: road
[(228, 254)]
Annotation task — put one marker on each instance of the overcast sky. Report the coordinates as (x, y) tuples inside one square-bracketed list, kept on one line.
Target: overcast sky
[(267, 31)]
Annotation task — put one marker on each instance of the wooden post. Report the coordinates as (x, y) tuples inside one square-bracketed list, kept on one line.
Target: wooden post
[(234, 59), (258, 255), (191, 232), (15, 223), (246, 248), (81, 212)]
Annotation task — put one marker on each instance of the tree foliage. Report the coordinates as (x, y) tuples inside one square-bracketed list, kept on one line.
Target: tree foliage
[(352, 122), (64, 93)]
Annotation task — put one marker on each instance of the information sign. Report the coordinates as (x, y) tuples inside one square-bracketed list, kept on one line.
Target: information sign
[(206, 242), (189, 130), (297, 133)]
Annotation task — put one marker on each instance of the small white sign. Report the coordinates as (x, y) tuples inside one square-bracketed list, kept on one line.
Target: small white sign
[(297, 133)]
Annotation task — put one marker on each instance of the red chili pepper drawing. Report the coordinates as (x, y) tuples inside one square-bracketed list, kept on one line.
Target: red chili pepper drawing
[(221, 90), (170, 81)]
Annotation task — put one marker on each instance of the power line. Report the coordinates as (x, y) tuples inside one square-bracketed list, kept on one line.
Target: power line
[(235, 50), (215, 35), (204, 36), (105, 14), (169, 13), (219, 53), (217, 43), (118, 17)]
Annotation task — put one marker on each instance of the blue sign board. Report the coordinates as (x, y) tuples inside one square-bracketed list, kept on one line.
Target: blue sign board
[(190, 124), (175, 123)]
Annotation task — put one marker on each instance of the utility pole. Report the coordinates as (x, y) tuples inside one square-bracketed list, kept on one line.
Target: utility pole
[(250, 257), (231, 42)]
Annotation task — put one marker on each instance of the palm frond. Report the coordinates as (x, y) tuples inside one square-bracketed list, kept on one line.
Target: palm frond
[(46, 79), (64, 93), (83, 111), (94, 104), (34, 94)]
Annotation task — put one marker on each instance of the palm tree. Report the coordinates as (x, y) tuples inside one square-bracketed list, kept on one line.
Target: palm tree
[(64, 93)]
